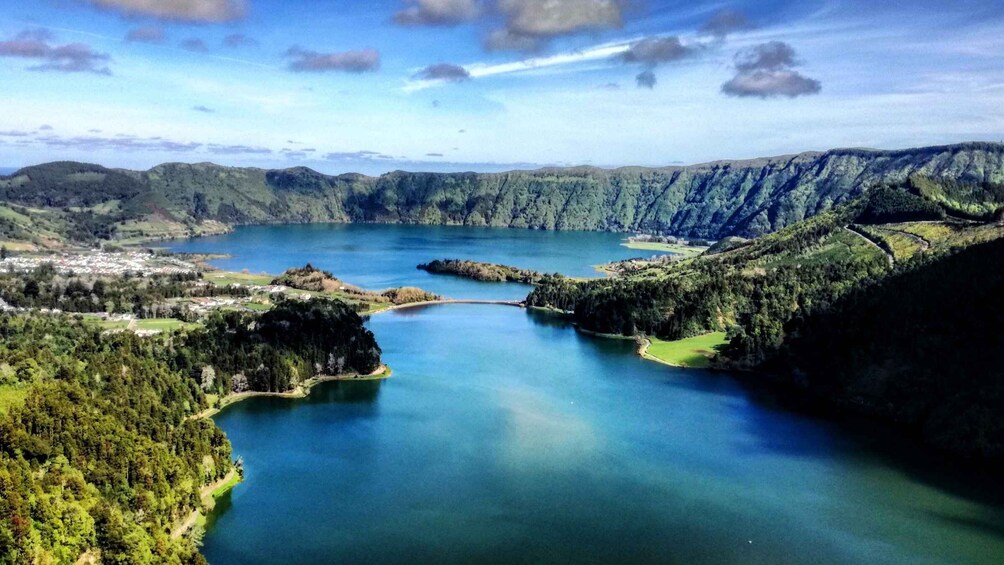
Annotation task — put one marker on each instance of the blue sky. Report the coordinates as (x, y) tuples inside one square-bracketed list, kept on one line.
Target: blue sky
[(490, 84)]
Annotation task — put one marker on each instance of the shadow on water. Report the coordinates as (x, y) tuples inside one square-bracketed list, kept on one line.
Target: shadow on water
[(779, 411), (362, 393), (776, 417), (223, 503)]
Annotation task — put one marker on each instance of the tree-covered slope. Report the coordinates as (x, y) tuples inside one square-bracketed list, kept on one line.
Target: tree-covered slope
[(102, 447), (810, 303), (713, 200), (924, 347)]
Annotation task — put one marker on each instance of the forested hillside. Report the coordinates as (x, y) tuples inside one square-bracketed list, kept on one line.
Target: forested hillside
[(102, 449), (822, 269), (745, 198), (924, 347)]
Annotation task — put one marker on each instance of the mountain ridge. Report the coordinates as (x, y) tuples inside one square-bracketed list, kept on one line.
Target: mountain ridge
[(746, 198)]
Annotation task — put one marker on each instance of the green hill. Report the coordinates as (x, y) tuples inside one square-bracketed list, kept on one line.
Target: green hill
[(792, 303), (714, 200), (923, 348)]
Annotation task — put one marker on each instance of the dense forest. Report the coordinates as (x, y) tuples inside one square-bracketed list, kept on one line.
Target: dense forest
[(103, 452), (923, 347), (278, 350), (100, 448), (487, 272), (88, 203)]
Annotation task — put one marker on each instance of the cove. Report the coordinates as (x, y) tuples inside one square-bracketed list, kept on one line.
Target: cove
[(505, 436)]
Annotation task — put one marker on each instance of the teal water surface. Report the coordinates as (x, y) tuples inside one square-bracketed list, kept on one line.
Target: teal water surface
[(505, 436), (378, 257)]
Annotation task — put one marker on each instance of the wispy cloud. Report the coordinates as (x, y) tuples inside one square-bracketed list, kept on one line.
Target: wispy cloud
[(443, 72), (195, 45), (481, 70), (148, 34), (361, 61), (727, 22), (218, 149), (68, 58), (118, 143), (239, 40)]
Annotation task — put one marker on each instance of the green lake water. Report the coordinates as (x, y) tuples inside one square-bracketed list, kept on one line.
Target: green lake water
[(505, 436)]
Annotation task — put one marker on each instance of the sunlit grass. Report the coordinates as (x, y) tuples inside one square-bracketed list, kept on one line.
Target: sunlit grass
[(694, 352)]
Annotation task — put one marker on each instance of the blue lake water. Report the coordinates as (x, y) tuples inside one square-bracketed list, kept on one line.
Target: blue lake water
[(378, 257), (505, 436)]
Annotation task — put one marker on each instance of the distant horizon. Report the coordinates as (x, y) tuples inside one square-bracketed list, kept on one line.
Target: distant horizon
[(487, 168)]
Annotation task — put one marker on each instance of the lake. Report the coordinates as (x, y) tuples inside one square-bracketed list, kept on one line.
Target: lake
[(505, 436), (378, 257)]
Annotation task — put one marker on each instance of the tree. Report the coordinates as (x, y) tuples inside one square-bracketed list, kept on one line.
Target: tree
[(208, 378)]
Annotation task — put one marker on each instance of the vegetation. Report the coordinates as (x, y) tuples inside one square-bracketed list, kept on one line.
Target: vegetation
[(695, 352), (278, 350), (102, 452), (409, 295), (88, 204), (100, 446), (311, 279), (922, 347), (478, 271), (756, 293)]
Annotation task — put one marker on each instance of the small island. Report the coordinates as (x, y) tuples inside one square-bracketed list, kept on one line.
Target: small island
[(487, 272)]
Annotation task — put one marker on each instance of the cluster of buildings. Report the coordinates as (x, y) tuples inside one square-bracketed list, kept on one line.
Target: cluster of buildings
[(101, 263)]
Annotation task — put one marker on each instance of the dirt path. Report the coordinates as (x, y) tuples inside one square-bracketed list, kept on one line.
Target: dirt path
[(923, 243), (889, 258)]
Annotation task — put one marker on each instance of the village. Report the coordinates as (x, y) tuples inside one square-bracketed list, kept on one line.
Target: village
[(126, 263)]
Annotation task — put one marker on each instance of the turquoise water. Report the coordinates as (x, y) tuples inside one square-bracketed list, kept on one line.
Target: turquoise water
[(378, 257), (505, 436)]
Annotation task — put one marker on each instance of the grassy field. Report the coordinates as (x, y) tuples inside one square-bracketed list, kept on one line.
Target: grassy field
[(113, 324), (224, 278), (674, 248), (694, 352), (219, 491), (163, 324)]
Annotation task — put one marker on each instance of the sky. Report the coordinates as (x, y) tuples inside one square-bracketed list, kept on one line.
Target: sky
[(485, 85)]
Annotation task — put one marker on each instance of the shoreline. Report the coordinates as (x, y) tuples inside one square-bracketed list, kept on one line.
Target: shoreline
[(210, 492), (643, 344), (301, 391), (207, 495)]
